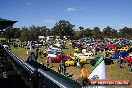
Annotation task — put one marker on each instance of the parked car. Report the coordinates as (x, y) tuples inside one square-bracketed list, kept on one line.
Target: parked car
[(59, 45), (111, 51), (51, 54), (59, 57), (128, 59), (6, 46), (124, 49), (85, 56), (71, 62)]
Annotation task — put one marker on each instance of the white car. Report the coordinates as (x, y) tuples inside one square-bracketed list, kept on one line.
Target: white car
[(6, 46), (50, 53), (85, 56), (38, 45), (130, 54), (59, 45)]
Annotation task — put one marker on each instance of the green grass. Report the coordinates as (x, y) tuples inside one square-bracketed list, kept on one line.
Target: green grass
[(21, 52), (2, 38), (68, 50), (112, 71), (11, 39)]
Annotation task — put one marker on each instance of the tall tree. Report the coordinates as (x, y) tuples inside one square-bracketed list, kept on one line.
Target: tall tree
[(32, 33), (125, 32), (76, 35), (114, 33), (107, 32), (88, 32), (63, 28), (96, 32), (11, 33), (44, 31), (17, 32), (81, 31), (25, 34)]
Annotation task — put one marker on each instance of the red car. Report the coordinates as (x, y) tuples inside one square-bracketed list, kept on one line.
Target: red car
[(128, 59), (58, 59)]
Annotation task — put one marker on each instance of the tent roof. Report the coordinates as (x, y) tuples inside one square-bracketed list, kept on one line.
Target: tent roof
[(4, 23)]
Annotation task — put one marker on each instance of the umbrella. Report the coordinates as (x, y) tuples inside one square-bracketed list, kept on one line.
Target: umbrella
[(123, 54), (111, 46)]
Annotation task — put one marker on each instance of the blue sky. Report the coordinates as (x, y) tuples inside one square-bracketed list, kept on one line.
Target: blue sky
[(86, 13)]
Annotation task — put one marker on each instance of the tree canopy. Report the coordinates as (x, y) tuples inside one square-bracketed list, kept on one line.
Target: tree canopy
[(63, 28)]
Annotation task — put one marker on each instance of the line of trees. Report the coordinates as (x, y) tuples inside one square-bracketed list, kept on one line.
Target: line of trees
[(64, 28)]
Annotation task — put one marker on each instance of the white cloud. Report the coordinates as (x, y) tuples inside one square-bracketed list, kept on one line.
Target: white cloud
[(50, 21), (28, 3), (71, 9)]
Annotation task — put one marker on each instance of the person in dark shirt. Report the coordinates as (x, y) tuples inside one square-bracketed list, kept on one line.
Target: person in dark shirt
[(121, 62), (75, 61), (31, 57)]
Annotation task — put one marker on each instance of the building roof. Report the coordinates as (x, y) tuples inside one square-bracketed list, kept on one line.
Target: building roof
[(4, 23)]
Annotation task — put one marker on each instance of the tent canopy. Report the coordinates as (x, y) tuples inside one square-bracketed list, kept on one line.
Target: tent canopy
[(4, 23), (111, 46)]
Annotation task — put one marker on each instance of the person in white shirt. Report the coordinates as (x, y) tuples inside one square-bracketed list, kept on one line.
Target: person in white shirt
[(78, 64), (27, 52)]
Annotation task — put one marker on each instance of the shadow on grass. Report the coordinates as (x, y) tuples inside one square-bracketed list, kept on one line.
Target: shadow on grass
[(51, 66), (65, 48), (69, 75)]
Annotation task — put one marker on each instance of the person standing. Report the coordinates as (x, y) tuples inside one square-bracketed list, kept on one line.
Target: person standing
[(47, 62), (40, 52), (27, 52), (121, 61), (59, 68), (129, 66), (75, 62), (104, 53), (78, 64), (84, 77), (31, 57), (37, 50), (44, 53), (42, 63)]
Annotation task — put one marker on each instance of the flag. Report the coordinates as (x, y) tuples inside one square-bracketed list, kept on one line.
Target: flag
[(98, 71)]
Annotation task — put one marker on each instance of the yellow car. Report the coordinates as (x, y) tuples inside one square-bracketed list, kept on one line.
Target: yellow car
[(124, 49), (111, 51), (83, 60), (71, 62)]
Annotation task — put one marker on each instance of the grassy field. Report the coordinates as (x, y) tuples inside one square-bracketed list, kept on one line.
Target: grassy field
[(2, 38), (112, 71)]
